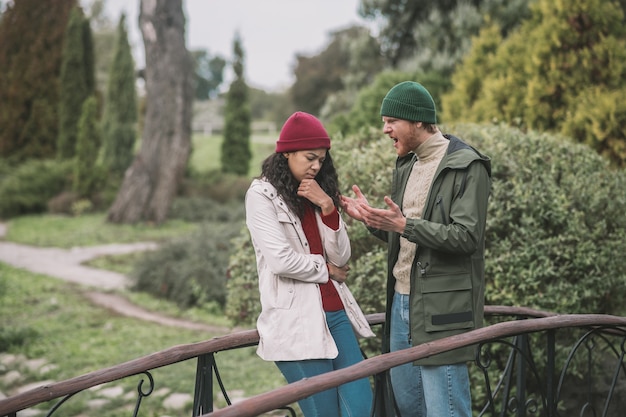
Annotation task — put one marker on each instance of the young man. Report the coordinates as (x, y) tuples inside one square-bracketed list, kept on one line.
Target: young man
[(434, 226)]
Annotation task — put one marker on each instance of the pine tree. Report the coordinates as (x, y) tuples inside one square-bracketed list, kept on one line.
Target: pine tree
[(120, 113), (29, 76), (236, 153), (87, 145), (74, 88)]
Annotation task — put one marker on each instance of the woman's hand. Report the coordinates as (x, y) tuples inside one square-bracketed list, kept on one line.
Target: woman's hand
[(336, 273), (311, 190)]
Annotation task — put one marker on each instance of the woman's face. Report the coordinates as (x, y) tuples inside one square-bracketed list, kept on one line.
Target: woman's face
[(305, 164)]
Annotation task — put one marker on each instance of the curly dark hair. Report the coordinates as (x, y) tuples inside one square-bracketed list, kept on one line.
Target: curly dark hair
[(275, 169)]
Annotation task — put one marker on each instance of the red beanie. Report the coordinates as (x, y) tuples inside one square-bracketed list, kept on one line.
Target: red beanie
[(300, 132)]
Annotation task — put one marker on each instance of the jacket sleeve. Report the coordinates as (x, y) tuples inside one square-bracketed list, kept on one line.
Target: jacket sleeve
[(269, 233), (380, 234), (462, 231), (336, 242)]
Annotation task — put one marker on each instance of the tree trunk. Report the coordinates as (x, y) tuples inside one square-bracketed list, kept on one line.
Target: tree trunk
[(151, 182)]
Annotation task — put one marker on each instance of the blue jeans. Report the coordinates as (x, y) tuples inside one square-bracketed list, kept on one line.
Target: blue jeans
[(353, 399), (425, 391)]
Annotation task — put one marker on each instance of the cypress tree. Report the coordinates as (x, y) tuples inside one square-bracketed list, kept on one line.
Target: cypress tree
[(74, 87), (236, 153), (120, 113), (87, 144), (89, 57), (29, 79), (562, 72)]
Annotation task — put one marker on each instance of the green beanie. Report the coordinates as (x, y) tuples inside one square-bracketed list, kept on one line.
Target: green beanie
[(409, 101)]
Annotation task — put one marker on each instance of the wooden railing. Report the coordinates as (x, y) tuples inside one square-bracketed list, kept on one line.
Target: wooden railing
[(288, 394)]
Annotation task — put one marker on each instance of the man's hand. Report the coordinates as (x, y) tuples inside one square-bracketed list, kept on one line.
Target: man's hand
[(391, 219), (351, 206)]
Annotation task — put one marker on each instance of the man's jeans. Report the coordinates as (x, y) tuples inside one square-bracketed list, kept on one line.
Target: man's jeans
[(352, 399), (425, 391)]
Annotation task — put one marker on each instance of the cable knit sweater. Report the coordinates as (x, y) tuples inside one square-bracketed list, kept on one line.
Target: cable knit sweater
[(429, 155)]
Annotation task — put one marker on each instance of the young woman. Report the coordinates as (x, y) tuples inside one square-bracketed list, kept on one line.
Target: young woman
[(309, 320)]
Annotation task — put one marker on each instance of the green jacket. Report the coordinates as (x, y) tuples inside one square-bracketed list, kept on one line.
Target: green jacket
[(448, 272)]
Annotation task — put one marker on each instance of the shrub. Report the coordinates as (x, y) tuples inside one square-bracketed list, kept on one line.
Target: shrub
[(62, 203), (216, 185), (200, 209), (31, 184), (556, 228), (190, 271), (243, 306)]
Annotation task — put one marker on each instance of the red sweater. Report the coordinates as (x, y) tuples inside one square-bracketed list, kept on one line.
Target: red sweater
[(330, 297)]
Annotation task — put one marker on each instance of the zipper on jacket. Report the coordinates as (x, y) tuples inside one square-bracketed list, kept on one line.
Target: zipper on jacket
[(422, 267)]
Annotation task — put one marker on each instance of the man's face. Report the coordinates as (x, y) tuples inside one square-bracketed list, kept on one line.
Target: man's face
[(404, 134)]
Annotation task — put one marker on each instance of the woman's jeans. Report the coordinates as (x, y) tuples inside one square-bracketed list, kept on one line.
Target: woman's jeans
[(425, 391), (353, 399)]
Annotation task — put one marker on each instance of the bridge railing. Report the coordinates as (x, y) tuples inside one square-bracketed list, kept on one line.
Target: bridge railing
[(521, 384)]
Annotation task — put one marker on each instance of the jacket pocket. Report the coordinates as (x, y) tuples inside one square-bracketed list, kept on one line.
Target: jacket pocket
[(447, 302), (289, 229)]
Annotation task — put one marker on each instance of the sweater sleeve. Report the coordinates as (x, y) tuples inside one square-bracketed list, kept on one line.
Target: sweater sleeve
[(332, 220)]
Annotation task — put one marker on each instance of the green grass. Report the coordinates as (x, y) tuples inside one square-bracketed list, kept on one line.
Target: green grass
[(87, 230), (207, 151), (65, 329)]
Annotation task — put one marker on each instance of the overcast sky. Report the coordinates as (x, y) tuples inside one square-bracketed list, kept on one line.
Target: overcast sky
[(272, 31)]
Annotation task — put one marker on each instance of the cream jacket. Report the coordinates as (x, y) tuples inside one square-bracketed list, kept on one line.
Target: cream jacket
[(292, 324)]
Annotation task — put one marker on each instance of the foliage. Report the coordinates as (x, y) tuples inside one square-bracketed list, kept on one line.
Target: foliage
[(29, 80), (558, 72), (554, 226), (215, 185), (29, 186), (119, 122), (86, 173), (76, 81), (598, 120), (236, 153), (352, 58), (190, 271), (205, 209), (270, 107), (209, 73), (243, 305), (433, 36)]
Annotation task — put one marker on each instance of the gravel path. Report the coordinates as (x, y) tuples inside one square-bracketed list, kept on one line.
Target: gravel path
[(100, 285)]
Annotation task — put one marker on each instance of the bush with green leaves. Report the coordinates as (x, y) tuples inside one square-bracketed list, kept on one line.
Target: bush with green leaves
[(190, 271), (204, 209), (556, 227), (555, 232), (28, 186)]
